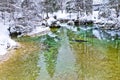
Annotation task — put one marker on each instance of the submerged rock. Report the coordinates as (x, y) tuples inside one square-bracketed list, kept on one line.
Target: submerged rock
[(79, 40)]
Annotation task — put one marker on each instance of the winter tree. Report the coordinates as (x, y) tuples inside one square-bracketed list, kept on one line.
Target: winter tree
[(79, 7), (63, 4), (88, 7), (49, 6), (70, 6), (116, 5), (7, 6)]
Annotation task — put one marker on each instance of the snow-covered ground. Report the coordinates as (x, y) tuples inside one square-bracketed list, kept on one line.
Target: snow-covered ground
[(97, 1), (5, 41), (39, 31), (94, 17), (65, 15)]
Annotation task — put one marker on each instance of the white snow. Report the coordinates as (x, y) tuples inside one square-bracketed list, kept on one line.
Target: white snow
[(5, 41), (39, 31), (51, 20), (89, 17), (103, 20), (61, 15), (65, 15), (95, 15), (97, 1)]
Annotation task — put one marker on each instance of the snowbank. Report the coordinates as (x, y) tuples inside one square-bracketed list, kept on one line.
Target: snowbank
[(73, 16), (97, 1), (5, 41), (61, 15), (65, 15), (39, 31)]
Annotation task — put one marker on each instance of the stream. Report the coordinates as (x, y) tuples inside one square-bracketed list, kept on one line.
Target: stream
[(64, 54)]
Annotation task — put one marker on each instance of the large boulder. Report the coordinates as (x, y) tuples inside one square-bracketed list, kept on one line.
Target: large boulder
[(19, 30)]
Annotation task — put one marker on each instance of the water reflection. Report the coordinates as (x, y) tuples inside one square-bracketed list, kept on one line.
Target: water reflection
[(66, 60), (97, 60), (49, 56), (58, 58), (81, 56), (64, 54), (104, 34)]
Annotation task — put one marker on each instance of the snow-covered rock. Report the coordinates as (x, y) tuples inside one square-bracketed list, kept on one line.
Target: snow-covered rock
[(71, 23), (51, 20), (5, 41)]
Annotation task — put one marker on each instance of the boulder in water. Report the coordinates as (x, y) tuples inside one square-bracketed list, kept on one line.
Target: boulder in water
[(70, 23)]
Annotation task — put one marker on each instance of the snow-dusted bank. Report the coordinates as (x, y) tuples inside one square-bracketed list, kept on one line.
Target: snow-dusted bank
[(6, 42), (39, 31)]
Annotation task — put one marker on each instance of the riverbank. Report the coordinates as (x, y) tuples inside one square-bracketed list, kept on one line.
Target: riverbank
[(6, 43), (22, 62)]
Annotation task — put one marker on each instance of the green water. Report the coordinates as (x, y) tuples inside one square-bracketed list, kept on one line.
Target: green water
[(63, 58)]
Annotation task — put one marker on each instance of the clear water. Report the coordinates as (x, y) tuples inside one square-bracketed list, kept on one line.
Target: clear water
[(68, 56)]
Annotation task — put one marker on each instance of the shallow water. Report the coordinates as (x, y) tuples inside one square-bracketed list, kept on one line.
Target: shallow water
[(67, 56)]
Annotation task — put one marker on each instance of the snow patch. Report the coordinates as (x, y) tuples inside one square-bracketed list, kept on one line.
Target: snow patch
[(39, 31), (51, 20), (5, 41), (97, 1), (65, 15)]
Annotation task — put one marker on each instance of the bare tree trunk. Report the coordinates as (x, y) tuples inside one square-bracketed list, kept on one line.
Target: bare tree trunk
[(117, 10), (47, 15), (4, 18)]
